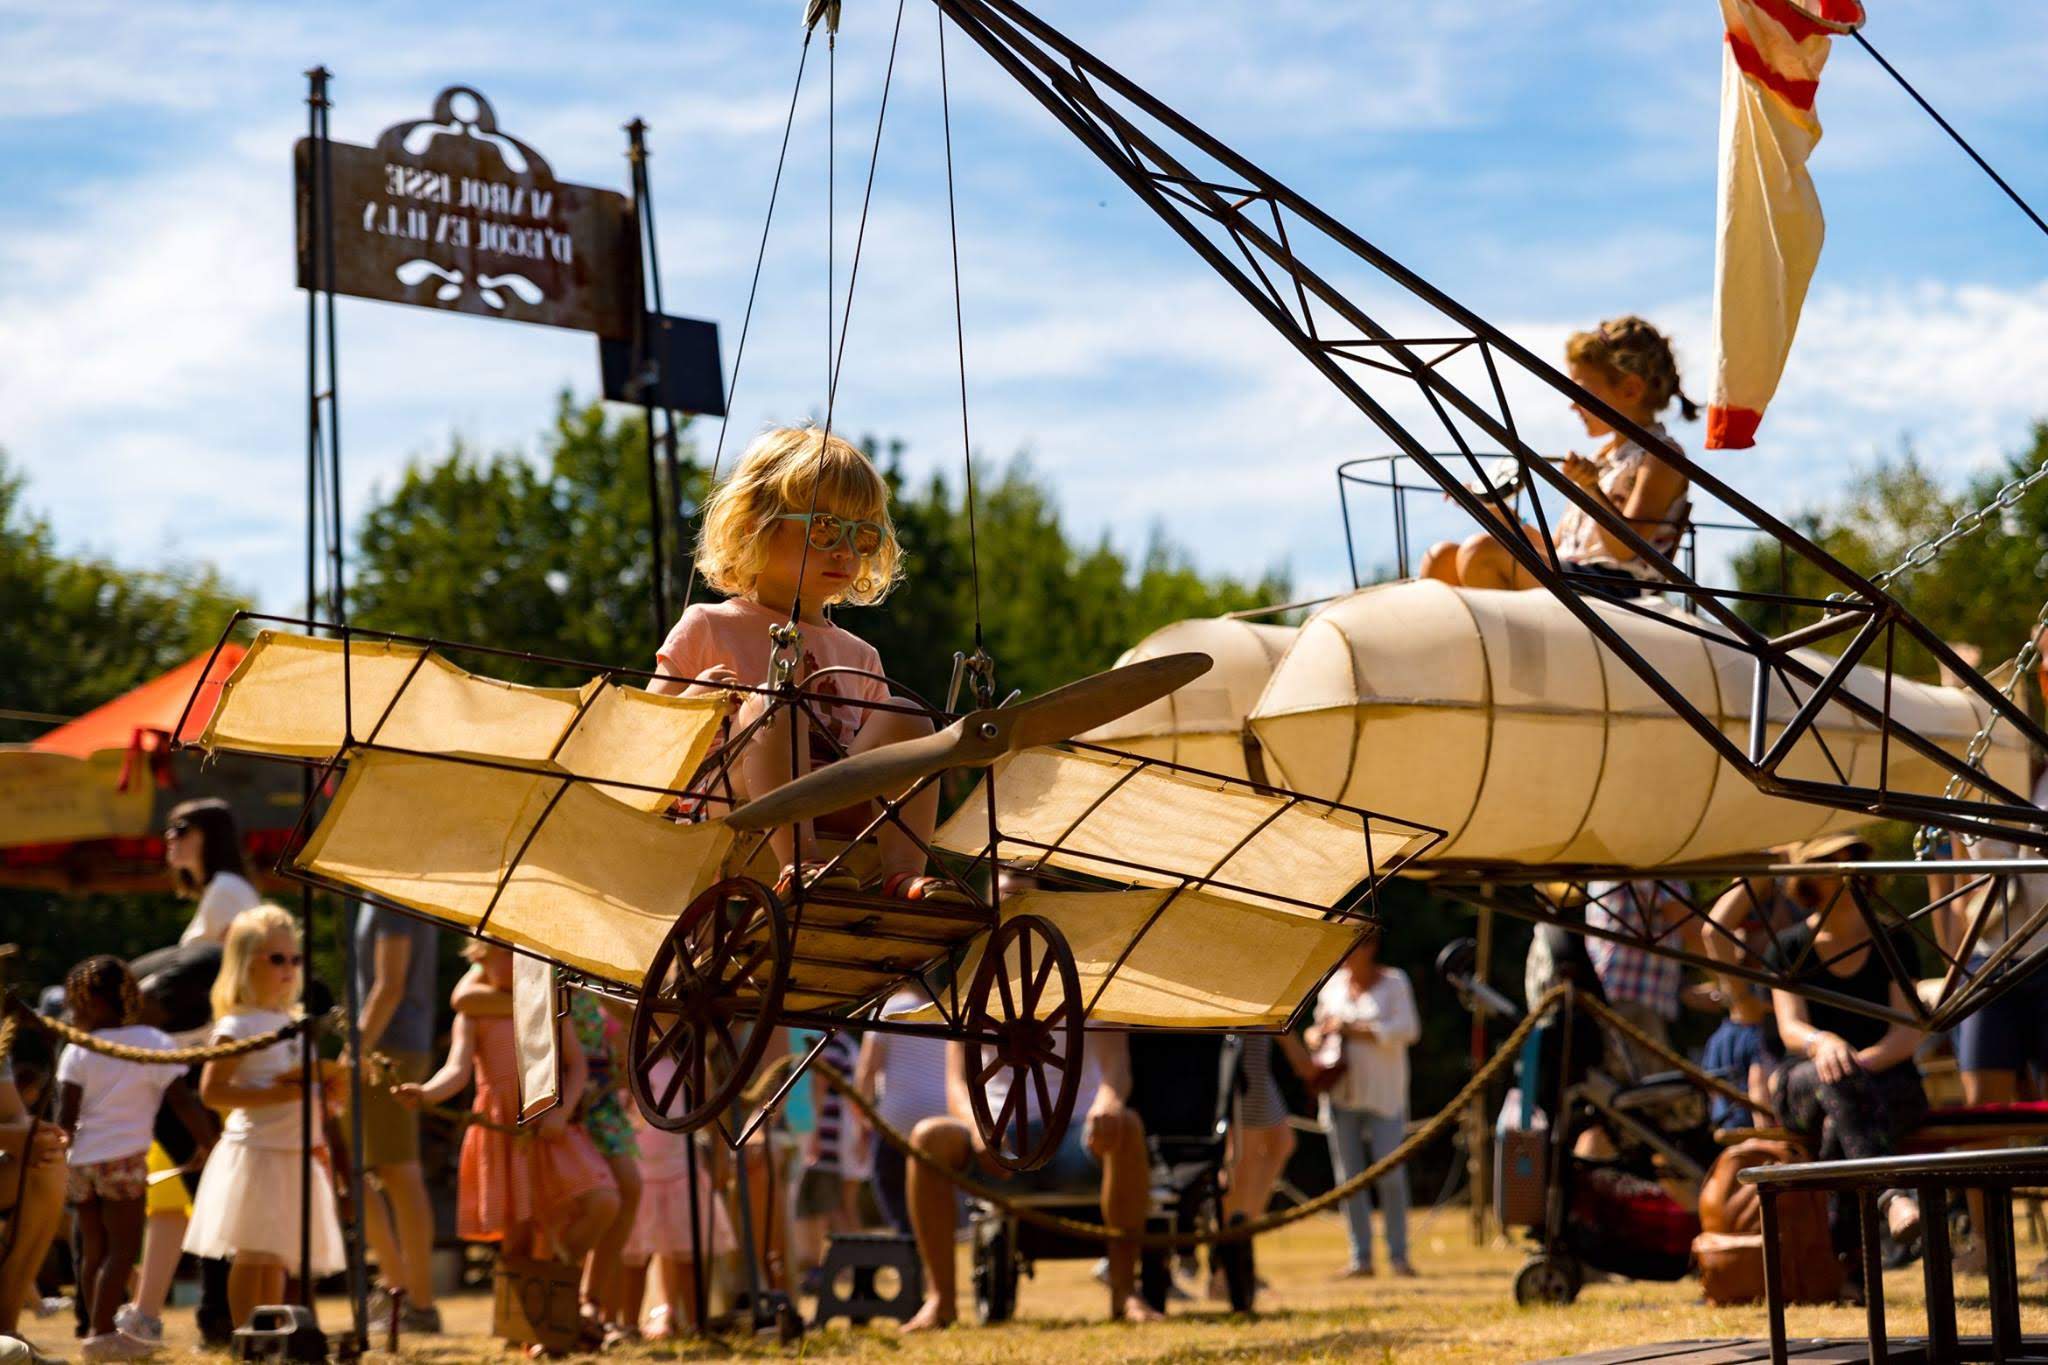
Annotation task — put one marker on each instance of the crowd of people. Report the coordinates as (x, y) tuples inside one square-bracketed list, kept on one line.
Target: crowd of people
[(167, 1161), (152, 1161)]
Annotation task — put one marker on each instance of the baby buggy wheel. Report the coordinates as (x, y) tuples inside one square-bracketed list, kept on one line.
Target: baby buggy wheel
[(1547, 1278)]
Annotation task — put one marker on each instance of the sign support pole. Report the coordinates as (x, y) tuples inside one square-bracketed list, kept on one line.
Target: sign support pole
[(324, 342), (665, 507)]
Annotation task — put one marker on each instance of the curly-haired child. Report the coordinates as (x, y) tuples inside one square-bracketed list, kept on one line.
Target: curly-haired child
[(108, 1105), (801, 525), (1627, 364)]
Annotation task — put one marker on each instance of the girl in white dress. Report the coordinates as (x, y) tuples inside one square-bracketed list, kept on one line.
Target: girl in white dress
[(247, 1205)]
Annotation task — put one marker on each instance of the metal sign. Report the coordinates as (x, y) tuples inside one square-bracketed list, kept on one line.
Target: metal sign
[(450, 212)]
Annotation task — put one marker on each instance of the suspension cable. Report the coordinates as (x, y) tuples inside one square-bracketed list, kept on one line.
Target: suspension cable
[(959, 332), (860, 236), (1949, 128), (831, 188), (747, 320)]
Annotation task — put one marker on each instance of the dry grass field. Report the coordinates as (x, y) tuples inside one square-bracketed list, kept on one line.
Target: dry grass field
[(1460, 1310)]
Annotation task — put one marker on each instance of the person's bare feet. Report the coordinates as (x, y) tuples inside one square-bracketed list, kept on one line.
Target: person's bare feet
[(930, 1318), (1137, 1310), (1902, 1218)]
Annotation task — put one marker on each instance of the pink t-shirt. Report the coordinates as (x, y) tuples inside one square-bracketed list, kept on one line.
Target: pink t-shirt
[(735, 633)]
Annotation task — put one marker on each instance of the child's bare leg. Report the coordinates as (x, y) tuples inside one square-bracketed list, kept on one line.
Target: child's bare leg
[(899, 852), (122, 1222), (92, 1259), (632, 1293), (1483, 562), (679, 1280), (605, 1282), (254, 1279), (1441, 563), (590, 1213), (162, 1245)]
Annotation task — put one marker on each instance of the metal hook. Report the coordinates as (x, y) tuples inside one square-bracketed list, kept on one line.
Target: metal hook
[(828, 10)]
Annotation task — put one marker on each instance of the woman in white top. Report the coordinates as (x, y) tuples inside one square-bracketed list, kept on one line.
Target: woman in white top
[(1365, 1018), (1627, 364), (204, 851)]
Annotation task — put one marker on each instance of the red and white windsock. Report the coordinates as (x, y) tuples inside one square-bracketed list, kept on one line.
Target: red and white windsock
[(1769, 216)]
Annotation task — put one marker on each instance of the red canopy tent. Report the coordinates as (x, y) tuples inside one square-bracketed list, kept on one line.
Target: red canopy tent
[(82, 806)]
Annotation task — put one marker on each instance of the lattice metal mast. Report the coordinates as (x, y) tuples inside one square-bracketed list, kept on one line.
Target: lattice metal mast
[(1128, 129)]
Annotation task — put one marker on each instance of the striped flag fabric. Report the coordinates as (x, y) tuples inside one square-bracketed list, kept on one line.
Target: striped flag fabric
[(1767, 213)]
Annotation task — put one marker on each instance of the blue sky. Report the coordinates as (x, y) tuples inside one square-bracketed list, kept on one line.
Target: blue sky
[(1545, 167)]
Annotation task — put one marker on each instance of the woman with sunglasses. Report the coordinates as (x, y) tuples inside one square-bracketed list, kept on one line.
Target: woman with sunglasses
[(802, 525), (247, 1206), (204, 851)]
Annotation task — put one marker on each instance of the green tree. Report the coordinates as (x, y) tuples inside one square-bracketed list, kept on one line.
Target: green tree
[(1984, 589), (81, 630), (552, 556)]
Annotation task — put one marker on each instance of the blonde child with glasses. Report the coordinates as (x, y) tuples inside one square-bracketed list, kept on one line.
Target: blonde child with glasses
[(802, 525), (247, 1206)]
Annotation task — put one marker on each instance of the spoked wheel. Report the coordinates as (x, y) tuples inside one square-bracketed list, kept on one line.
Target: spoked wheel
[(727, 955), (1024, 1035), (1547, 1279)]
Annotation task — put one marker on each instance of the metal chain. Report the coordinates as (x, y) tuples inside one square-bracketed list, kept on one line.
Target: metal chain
[(1927, 551), (1924, 554), (2023, 663)]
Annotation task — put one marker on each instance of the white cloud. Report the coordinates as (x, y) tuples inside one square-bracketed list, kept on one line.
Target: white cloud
[(151, 347)]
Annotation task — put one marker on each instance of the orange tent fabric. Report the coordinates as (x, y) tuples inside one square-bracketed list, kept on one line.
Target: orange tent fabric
[(150, 710)]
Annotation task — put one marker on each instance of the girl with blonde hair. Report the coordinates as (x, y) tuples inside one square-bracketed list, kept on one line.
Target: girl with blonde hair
[(801, 526), (1627, 364), (247, 1206)]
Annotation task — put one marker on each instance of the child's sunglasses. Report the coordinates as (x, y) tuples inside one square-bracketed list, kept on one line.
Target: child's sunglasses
[(285, 959), (828, 532)]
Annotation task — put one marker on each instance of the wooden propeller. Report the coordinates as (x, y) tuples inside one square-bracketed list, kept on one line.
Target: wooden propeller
[(974, 741)]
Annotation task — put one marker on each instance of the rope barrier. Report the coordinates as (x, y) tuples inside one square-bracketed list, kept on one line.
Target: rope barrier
[(1424, 1133), (18, 1013)]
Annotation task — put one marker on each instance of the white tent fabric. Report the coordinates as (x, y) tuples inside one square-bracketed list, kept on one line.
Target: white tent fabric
[(1123, 821), (536, 1034), (1198, 962), (1201, 725), (1499, 717), (286, 699), (587, 881)]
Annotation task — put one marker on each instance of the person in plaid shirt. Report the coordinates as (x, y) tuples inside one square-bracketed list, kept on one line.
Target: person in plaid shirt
[(1641, 986)]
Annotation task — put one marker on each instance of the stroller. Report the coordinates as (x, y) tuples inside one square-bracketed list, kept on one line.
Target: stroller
[(1183, 1087), (1611, 1213)]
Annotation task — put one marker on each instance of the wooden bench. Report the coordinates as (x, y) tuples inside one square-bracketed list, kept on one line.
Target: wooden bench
[(1995, 1174)]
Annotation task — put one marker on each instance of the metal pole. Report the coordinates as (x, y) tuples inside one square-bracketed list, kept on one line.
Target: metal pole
[(357, 1341), (647, 375), (671, 456), (316, 102), (1479, 1168)]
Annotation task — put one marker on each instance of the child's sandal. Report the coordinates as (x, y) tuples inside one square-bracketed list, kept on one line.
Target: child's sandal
[(815, 878), (914, 886)]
